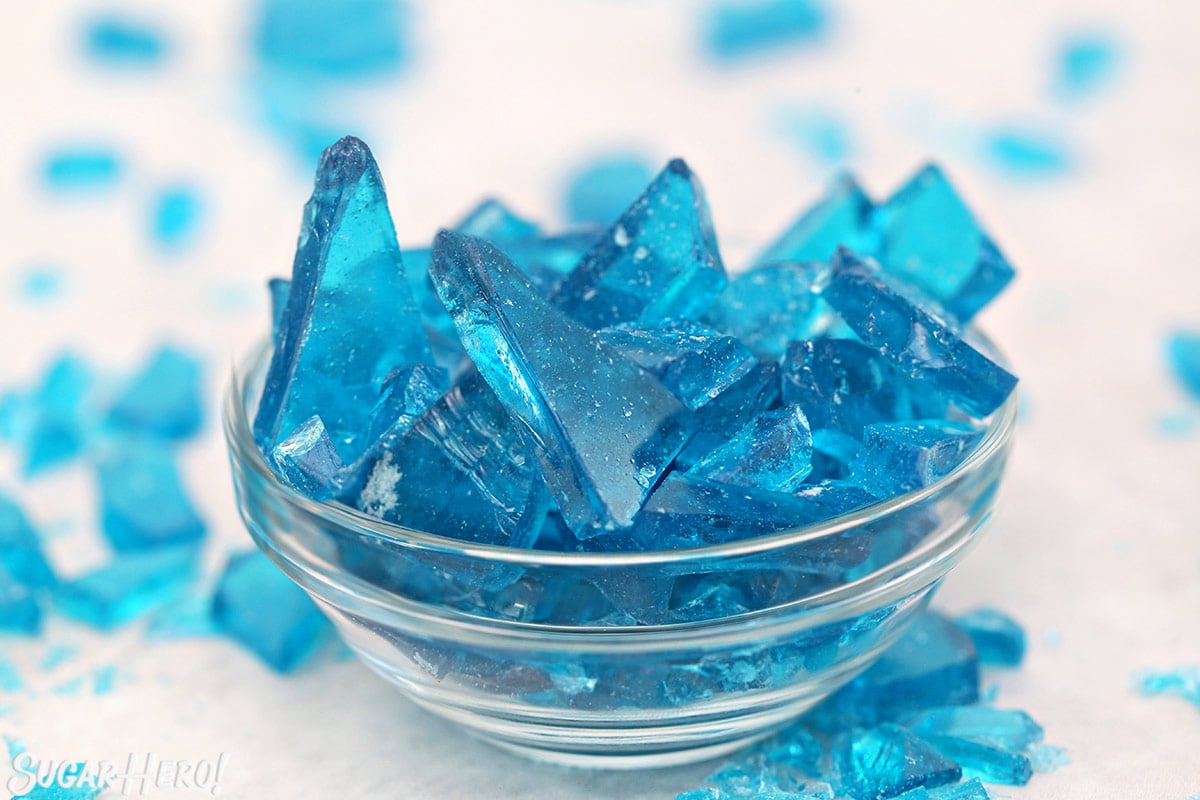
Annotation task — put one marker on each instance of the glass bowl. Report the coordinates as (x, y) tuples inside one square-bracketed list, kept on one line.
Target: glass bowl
[(617, 659)]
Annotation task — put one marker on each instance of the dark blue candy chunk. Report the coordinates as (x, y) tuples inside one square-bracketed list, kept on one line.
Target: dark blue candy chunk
[(58, 428), (602, 428), (658, 261), (841, 218), (19, 609), (772, 305), (1006, 729), (929, 238), (460, 470), (695, 362), (1183, 354), (20, 548), (730, 411), (887, 760), (918, 344), (773, 452), (142, 501), (165, 398), (979, 760), (898, 457), (307, 459), (998, 637), (261, 608), (350, 317), (843, 384), (128, 586)]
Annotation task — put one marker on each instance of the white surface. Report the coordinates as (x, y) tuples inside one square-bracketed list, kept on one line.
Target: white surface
[(1095, 546)]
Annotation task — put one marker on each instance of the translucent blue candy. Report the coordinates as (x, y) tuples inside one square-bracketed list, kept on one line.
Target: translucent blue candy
[(833, 450), (19, 609), (771, 305), (737, 30), (176, 216), (833, 498), (967, 790), (313, 40), (278, 289), (929, 238), (261, 608), (1006, 729), (494, 221), (841, 218), (753, 777), (998, 637), (730, 411), (58, 427), (898, 457), (460, 470), (124, 41), (602, 428), (547, 260), (773, 452), (407, 394), (918, 344), (308, 460), (1183, 682), (20, 547), (979, 760), (350, 317), (695, 362), (843, 384), (1183, 355), (128, 586), (601, 189), (165, 398), (142, 501), (658, 261), (886, 761)]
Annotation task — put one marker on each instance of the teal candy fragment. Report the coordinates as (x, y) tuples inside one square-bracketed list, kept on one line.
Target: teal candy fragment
[(128, 586), (773, 452), (460, 470), (600, 190), (602, 429), (695, 362), (165, 398), (1085, 63), (727, 413), (350, 317), (841, 218), (771, 305), (998, 637), (20, 547), (407, 394), (658, 261), (1183, 682), (494, 221), (262, 609), (176, 216), (929, 238), (58, 427), (82, 168), (735, 30), (918, 344), (307, 459), (886, 761), (314, 41), (1005, 729), (142, 501), (755, 777), (1183, 356), (833, 450), (967, 790), (898, 457), (19, 609), (124, 41), (843, 384), (979, 760)]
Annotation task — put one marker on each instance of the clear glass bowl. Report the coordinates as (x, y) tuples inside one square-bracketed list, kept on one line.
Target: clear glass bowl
[(618, 660)]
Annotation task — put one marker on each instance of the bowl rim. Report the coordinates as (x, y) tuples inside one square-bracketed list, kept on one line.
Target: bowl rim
[(242, 447)]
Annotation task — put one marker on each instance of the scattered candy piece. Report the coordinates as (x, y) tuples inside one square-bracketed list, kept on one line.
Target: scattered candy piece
[(165, 398), (1183, 356), (1085, 63), (127, 587), (81, 168), (58, 427), (20, 548), (736, 30), (1183, 682), (19, 609), (1001, 728), (1026, 152), (124, 41), (998, 638), (175, 216), (886, 761), (142, 501), (979, 760), (600, 190), (311, 39)]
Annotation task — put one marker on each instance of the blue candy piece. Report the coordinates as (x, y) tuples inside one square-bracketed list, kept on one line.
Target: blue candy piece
[(278, 289), (730, 411), (929, 239), (58, 429), (142, 501), (833, 450), (658, 261), (753, 777), (176, 216), (602, 429), (967, 790), (771, 305), (979, 760), (917, 343), (350, 317), (20, 547), (307, 459), (736, 30), (128, 586), (773, 452), (841, 218), (695, 362), (165, 398), (843, 384), (1183, 682), (19, 609), (124, 41), (1002, 728), (603, 188), (494, 221), (460, 470), (998, 637), (262, 609), (886, 761), (407, 394), (82, 168), (898, 457), (1183, 355), (547, 260), (312, 40)]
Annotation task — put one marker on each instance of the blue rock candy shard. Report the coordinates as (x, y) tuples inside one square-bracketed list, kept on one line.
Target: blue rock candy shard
[(772, 305), (658, 261), (494, 221), (886, 761), (842, 217), (1047, 757), (278, 289), (350, 317), (128, 586), (1183, 682), (918, 344), (313, 41), (1183, 355), (165, 398), (19, 609), (1006, 729), (897, 457), (998, 637), (730, 411), (460, 470), (979, 760), (833, 498), (695, 362), (967, 790), (307, 459), (547, 260), (601, 189), (773, 452), (602, 428), (407, 394), (261, 608), (58, 431), (20, 548), (833, 450), (929, 238), (142, 501), (843, 384), (737, 30)]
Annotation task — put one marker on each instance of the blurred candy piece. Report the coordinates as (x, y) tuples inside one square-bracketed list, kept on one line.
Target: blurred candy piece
[(840, 219), (772, 305), (165, 398), (1183, 356), (128, 586), (20, 547), (142, 500), (998, 638), (124, 41), (737, 30), (81, 168), (602, 188), (19, 609)]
